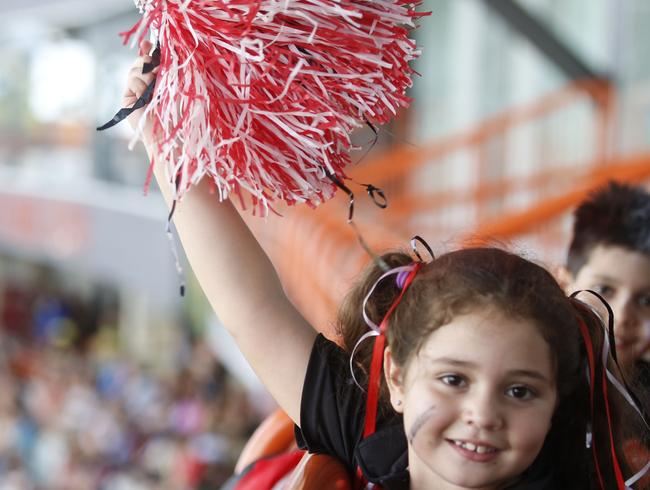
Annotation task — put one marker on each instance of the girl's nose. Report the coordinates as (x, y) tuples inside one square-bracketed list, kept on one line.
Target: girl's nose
[(483, 411)]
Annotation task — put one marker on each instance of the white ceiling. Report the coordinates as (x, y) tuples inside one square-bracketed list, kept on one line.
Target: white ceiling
[(63, 13)]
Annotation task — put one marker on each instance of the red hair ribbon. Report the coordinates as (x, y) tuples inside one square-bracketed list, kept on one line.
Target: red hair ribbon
[(377, 358), (374, 381), (584, 331)]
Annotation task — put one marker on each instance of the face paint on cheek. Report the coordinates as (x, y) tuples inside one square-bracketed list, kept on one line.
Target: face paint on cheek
[(420, 421)]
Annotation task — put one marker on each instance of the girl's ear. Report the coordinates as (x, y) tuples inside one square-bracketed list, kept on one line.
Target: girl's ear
[(394, 375)]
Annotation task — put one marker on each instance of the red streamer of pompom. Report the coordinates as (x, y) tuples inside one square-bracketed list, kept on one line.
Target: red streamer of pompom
[(262, 96)]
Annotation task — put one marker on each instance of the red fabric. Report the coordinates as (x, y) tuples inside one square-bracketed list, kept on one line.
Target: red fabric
[(265, 473)]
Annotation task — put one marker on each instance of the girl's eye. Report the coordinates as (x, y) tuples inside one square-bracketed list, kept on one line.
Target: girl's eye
[(520, 392), (452, 380)]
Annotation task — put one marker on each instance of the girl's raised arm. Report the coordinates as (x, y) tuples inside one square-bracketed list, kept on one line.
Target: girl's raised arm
[(237, 276)]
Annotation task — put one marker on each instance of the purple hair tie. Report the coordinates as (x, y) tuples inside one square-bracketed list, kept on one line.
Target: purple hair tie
[(401, 278)]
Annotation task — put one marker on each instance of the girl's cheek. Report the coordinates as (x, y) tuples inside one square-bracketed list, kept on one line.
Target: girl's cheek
[(427, 432), (421, 421)]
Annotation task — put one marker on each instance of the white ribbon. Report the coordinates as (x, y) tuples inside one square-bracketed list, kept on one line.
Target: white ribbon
[(374, 331), (622, 390)]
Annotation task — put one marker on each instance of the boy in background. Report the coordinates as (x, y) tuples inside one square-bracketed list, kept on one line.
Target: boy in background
[(610, 254)]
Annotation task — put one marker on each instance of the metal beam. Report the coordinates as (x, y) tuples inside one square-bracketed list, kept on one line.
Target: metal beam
[(545, 40)]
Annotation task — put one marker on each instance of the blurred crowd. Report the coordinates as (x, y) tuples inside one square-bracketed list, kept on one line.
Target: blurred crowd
[(84, 416)]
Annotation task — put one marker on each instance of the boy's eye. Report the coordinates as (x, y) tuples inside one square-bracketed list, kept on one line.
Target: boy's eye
[(603, 289), (644, 301), (452, 380), (520, 392)]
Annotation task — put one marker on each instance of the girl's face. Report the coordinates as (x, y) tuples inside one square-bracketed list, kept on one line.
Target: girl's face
[(477, 401)]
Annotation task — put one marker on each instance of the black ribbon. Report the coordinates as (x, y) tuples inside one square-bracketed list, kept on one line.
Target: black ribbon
[(143, 100), (381, 202), (377, 195), (414, 247), (179, 267), (612, 347)]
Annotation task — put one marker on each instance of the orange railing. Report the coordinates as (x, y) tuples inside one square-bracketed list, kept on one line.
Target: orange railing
[(517, 176)]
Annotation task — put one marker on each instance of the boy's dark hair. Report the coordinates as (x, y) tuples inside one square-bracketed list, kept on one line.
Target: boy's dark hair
[(617, 214)]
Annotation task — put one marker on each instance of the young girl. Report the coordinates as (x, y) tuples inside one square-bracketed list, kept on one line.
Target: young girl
[(492, 376)]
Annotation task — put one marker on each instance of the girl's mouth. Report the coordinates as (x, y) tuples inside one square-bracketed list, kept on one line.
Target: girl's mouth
[(478, 452)]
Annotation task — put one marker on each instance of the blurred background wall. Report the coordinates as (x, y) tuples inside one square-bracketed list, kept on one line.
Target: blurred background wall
[(115, 381)]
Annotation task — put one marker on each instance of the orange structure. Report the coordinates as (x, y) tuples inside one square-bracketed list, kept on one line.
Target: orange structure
[(512, 179)]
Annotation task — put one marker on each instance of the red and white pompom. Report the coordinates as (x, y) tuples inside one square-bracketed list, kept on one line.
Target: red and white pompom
[(262, 96)]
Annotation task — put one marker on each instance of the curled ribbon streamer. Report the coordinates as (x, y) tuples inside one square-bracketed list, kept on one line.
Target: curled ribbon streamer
[(374, 381), (414, 247), (383, 203), (125, 112), (591, 367), (637, 477), (374, 328), (143, 100), (172, 242), (391, 272), (365, 336), (609, 349), (626, 394)]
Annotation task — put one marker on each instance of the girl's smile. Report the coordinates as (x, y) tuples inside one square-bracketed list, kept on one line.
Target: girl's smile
[(478, 451), (477, 401)]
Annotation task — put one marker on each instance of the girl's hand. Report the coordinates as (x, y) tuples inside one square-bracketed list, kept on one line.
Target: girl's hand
[(137, 83)]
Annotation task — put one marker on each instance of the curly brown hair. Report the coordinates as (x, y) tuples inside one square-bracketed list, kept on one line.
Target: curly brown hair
[(462, 281)]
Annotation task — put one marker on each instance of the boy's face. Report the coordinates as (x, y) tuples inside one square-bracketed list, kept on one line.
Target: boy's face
[(622, 277)]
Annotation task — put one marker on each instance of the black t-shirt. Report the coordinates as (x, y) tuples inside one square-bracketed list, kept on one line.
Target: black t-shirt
[(332, 416)]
